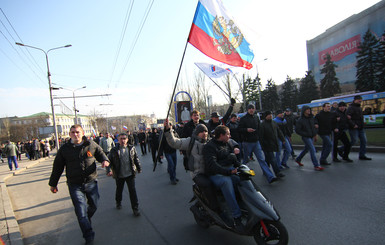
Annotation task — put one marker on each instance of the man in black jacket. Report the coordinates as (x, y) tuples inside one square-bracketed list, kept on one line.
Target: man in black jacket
[(269, 134), (220, 163), (142, 141), (124, 165), (342, 124), (189, 127), (215, 121), (79, 157), (325, 123), (249, 127), (356, 130), (305, 127)]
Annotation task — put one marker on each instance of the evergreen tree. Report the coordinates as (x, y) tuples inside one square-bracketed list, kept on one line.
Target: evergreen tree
[(308, 90), (330, 84), (366, 63), (289, 94), (251, 90), (381, 65), (270, 98)]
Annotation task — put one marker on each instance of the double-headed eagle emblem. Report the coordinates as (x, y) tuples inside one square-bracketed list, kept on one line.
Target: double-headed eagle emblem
[(228, 36)]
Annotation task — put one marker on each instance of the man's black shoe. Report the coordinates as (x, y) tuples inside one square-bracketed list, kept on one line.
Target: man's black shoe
[(348, 159), (238, 226), (365, 158), (336, 160), (136, 212), (340, 152), (326, 163), (118, 205), (280, 175), (273, 180)]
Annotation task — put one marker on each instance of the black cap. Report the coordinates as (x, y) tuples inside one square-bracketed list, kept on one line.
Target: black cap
[(278, 112), (357, 97), (200, 128), (214, 114), (233, 115), (341, 104), (266, 113), (288, 109), (250, 106)]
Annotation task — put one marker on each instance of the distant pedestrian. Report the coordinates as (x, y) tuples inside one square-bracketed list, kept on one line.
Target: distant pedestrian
[(305, 127), (342, 125), (19, 147), (107, 143), (283, 126), (170, 155), (11, 151), (325, 123), (290, 119), (142, 141), (78, 157), (124, 165), (356, 130)]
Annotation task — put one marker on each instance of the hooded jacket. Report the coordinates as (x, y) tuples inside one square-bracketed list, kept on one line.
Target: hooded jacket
[(305, 124)]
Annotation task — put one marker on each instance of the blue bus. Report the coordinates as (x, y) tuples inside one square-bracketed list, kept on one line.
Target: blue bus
[(373, 106)]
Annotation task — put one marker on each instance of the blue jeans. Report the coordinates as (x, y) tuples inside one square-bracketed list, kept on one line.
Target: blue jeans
[(309, 147), (255, 147), (14, 160), (227, 185), (326, 147), (358, 133), (171, 165), (286, 153), (84, 195)]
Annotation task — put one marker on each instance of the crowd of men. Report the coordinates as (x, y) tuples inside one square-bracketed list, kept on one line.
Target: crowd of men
[(212, 152)]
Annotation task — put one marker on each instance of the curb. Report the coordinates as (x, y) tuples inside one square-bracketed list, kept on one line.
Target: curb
[(10, 218)]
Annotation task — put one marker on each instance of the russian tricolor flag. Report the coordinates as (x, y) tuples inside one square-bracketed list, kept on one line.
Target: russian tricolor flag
[(215, 34), (125, 127)]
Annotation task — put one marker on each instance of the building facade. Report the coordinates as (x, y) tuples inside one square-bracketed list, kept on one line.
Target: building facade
[(342, 41)]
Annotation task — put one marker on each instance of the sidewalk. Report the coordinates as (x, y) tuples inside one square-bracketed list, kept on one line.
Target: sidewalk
[(9, 228)]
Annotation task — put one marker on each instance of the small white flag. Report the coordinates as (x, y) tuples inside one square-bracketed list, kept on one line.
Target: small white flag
[(213, 71)]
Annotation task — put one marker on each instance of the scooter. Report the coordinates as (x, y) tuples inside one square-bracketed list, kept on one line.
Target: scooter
[(259, 217)]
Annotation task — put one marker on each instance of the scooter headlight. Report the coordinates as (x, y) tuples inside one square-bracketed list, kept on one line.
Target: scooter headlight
[(251, 172)]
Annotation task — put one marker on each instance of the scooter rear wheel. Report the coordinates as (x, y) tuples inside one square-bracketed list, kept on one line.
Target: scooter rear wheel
[(198, 213), (277, 233)]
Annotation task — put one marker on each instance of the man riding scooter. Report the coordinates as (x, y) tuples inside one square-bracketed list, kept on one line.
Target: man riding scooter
[(221, 164)]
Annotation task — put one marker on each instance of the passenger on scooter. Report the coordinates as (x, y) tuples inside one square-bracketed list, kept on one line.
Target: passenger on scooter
[(198, 175), (221, 164)]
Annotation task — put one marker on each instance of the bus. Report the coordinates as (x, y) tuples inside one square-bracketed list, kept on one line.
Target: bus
[(373, 106)]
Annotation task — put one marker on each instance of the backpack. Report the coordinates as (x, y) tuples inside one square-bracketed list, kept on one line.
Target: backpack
[(188, 161)]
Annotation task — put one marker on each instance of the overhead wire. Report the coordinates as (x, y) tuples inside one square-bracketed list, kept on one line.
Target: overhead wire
[(149, 6), (122, 35)]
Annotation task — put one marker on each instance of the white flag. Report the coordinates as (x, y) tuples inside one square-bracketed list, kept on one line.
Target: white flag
[(213, 71)]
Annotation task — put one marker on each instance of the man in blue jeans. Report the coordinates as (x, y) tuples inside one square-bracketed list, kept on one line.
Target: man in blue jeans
[(356, 130), (78, 157), (248, 128), (220, 165), (325, 123), (305, 127)]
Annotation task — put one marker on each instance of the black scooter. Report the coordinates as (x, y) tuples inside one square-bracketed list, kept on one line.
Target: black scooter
[(259, 217)]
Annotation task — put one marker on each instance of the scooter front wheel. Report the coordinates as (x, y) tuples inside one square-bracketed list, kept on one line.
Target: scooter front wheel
[(270, 232)]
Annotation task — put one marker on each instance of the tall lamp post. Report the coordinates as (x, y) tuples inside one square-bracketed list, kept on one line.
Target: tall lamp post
[(259, 84), (73, 97), (50, 86)]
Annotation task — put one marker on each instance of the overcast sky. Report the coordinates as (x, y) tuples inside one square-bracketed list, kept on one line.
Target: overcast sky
[(141, 72)]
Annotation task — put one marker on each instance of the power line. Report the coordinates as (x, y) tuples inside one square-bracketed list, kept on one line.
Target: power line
[(135, 40), (122, 35)]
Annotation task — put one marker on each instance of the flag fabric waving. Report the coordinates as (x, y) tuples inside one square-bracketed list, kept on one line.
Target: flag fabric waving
[(125, 127), (212, 70), (215, 34)]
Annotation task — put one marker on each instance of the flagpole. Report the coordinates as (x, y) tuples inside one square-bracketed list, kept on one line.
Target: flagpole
[(176, 83)]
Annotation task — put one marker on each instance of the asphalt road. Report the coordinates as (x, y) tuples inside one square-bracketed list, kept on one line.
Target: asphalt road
[(342, 205)]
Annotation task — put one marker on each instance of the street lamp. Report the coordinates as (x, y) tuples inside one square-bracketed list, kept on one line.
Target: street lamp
[(259, 84), (73, 96), (50, 86)]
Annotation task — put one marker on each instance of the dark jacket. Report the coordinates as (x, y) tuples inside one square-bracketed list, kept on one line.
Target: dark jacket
[(249, 121), (219, 158), (165, 147), (211, 125), (79, 162), (153, 139), (290, 123), (344, 122), (269, 134), (142, 137), (234, 132), (283, 126), (114, 157), (189, 128), (325, 122), (305, 125), (355, 112)]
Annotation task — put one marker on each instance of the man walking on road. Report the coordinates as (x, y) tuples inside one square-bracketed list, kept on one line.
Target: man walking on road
[(107, 143), (11, 151), (78, 157), (325, 123), (124, 165)]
